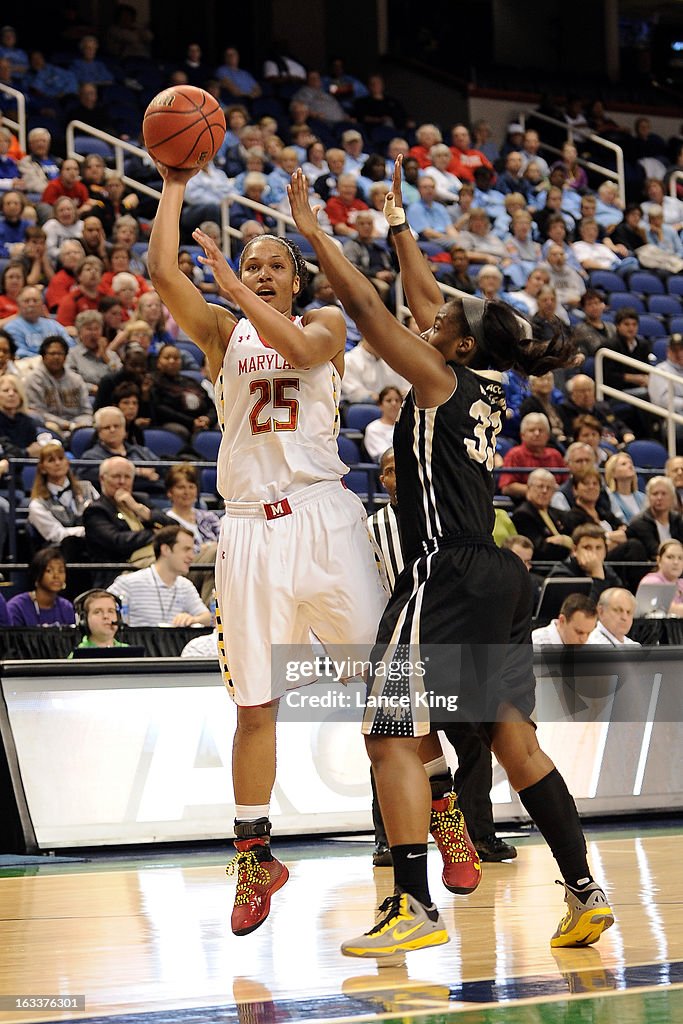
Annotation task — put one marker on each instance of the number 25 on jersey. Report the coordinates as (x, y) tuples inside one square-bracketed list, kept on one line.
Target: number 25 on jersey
[(272, 397)]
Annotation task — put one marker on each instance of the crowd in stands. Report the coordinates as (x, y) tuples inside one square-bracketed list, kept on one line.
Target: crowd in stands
[(86, 345)]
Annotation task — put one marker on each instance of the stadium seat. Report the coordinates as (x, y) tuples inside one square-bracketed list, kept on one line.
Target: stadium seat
[(648, 284), (359, 415), (191, 349), (349, 452), (81, 439), (659, 347), (676, 324), (86, 144), (207, 444), (163, 442), (307, 250), (664, 305), (647, 454), (651, 326), (618, 300), (606, 281), (207, 487), (675, 284)]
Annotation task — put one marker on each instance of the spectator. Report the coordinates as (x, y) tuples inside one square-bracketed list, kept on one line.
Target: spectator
[(90, 357), (673, 469), (65, 224), (671, 205), (118, 527), (58, 498), (161, 595), (124, 287), (429, 218), (12, 282), (458, 277), (343, 86), (18, 431), (84, 296), (119, 263), (203, 196), (125, 37), (543, 398), (111, 427), (126, 397), (41, 604), (594, 332), (616, 608), (629, 233), (321, 103), (569, 285), (372, 172), (352, 144), (621, 481), (150, 309), (659, 521), (365, 374), (323, 295), (94, 239), (99, 613), (379, 433), (326, 184), (577, 179), (87, 68), (595, 255), (512, 179), (134, 370), (660, 234), (343, 208), (482, 135), (532, 453), (669, 570), (624, 378), (39, 166), (578, 457), (586, 487), (370, 257), (182, 488), (534, 518), (68, 183), (13, 225), (609, 210), (315, 164), (112, 316), (37, 264), (125, 232), (57, 397), (375, 110), (482, 245), (234, 80), (577, 619), (587, 428), (465, 159), (9, 169), (179, 404), (9, 51), (447, 185), (8, 350), (428, 136), (531, 143), (587, 559)]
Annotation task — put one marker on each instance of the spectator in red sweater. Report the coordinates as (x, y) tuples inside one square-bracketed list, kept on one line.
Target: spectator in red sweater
[(427, 135), (68, 183), (532, 453), (70, 254), (85, 295), (342, 208), (465, 159)]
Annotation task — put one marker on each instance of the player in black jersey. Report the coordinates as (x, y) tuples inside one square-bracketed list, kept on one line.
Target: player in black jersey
[(457, 587)]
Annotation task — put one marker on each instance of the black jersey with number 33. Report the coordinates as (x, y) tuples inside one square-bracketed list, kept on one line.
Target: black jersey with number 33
[(444, 458)]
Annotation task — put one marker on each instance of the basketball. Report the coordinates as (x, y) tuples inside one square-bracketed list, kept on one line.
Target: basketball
[(183, 127)]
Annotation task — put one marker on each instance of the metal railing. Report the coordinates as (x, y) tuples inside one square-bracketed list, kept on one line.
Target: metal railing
[(20, 124), (119, 146), (668, 414), (607, 172)]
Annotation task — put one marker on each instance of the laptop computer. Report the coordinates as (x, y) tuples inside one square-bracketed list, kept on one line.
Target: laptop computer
[(111, 652), (555, 590), (653, 600)]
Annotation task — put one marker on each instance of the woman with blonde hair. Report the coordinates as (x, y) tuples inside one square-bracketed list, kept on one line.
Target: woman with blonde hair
[(58, 498), (621, 481)]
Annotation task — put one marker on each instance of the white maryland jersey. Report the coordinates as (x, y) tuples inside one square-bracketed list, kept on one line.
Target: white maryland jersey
[(279, 424)]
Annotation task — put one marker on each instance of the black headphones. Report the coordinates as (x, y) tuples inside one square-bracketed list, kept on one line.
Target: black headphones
[(81, 602)]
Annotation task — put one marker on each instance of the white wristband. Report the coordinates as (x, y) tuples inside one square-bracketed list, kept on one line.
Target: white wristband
[(394, 215)]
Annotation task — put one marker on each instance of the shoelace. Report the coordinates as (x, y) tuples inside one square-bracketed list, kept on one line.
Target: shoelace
[(447, 829), (391, 907), (250, 873)]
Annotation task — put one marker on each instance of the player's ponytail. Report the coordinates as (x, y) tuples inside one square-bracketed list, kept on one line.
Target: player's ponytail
[(510, 344)]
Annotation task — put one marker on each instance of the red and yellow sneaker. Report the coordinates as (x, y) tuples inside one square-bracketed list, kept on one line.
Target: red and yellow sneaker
[(259, 875), (461, 865)]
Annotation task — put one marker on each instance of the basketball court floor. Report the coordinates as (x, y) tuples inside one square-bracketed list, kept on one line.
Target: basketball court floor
[(147, 941)]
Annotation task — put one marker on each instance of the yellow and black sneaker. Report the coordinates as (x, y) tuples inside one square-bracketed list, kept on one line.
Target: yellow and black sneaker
[(588, 915), (405, 924), (461, 864)]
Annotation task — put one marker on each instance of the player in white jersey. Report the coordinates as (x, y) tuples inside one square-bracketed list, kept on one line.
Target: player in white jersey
[(294, 555)]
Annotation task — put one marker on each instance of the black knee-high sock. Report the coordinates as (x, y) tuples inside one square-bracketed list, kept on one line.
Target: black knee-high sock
[(410, 871), (552, 808)]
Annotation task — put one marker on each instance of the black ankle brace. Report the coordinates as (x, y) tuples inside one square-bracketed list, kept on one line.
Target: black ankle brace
[(253, 829), (441, 784)]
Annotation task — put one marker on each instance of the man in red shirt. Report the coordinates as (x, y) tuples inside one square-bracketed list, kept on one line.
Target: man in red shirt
[(465, 160), (68, 183), (532, 453), (342, 208)]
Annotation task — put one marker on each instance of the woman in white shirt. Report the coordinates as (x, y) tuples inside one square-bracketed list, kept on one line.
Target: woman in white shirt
[(379, 434)]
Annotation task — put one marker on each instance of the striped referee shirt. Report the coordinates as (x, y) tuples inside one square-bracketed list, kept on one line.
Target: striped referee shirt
[(384, 533), (151, 602)]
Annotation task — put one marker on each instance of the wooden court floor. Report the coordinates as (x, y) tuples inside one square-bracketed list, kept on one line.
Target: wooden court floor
[(149, 940)]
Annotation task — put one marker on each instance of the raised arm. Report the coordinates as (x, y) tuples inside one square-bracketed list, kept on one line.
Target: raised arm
[(409, 355), (208, 325), (423, 295)]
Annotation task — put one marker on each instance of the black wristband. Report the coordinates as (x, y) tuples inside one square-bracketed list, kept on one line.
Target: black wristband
[(396, 229)]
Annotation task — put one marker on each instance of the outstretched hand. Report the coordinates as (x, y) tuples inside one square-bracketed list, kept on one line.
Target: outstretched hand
[(306, 218), (224, 276), (394, 214)]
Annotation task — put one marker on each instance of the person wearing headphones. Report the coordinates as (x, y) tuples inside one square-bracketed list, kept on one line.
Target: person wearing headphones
[(98, 614)]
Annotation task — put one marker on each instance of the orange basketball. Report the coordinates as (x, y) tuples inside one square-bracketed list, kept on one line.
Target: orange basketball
[(183, 127)]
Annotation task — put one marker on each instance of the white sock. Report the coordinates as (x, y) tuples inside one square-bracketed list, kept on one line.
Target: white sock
[(439, 766), (250, 812)]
